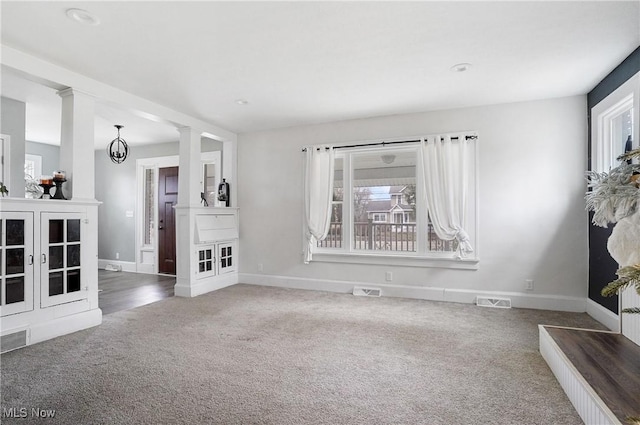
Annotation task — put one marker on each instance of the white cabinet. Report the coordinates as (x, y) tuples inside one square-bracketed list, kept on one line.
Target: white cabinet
[(48, 269), (216, 259), (61, 258), (227, 253), (16, 262), (207, 249), (57, 261)]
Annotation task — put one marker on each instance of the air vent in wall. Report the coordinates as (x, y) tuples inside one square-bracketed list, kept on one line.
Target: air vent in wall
[(13, 341), (495, 302), (367, 292)]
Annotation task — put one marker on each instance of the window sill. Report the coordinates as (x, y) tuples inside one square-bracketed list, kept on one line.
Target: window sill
[(441, 261)]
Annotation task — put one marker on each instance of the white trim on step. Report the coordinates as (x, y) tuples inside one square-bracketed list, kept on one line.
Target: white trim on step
[(603, 315), (587, 403), (519, 300)]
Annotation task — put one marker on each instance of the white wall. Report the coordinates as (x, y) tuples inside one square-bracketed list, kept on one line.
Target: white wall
[(533, 223), (116, 189), (50, 156), (13, 124)]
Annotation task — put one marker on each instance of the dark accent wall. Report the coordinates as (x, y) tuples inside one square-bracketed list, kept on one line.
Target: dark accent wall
[(602, 268)]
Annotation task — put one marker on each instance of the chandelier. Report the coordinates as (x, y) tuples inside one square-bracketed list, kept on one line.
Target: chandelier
[(118, 149)]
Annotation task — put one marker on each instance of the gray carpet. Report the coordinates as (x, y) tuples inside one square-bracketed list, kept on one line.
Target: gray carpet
[(258, 355)]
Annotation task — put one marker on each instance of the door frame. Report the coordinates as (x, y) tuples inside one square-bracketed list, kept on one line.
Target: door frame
[(5, 157), (144, 252)]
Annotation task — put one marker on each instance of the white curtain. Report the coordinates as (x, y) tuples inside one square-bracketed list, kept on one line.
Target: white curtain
[(319, 169), (446, 182)]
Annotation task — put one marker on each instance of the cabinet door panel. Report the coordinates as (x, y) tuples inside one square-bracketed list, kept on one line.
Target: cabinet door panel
[(73, 280), (15, 290), (73, 255), (56, 231), (226, 253), (73, 230), (16, 262), (15, 232), (61, 278), (56, 259), (56, 283)]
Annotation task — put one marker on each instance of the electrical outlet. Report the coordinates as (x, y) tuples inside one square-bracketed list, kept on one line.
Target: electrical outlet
[(528, 284), (388, 276), (117, 255), (260, 268)]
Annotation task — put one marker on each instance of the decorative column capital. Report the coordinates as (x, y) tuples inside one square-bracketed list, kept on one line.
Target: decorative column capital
[(70, 91), (189, 131)]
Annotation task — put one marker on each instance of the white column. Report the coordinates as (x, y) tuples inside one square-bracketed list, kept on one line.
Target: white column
[(77, 156), (189, 171), (188, 198)]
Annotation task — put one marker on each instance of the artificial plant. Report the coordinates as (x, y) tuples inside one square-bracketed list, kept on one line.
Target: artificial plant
[(615, 197)]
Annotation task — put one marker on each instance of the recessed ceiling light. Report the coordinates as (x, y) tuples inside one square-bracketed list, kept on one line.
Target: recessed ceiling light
[(83, 17), (460, 67), (242, 102)]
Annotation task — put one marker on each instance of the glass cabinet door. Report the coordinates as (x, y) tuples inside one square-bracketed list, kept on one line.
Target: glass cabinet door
[(206, 261), (16, 262), (227, 259), (61, 258)]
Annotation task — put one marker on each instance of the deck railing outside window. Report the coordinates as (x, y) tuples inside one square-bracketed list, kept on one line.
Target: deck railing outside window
[(385, 237)]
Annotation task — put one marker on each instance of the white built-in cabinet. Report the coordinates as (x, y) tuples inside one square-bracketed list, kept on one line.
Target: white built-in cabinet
[(216, 259), (208, 240), (16, 258), (48, 269)]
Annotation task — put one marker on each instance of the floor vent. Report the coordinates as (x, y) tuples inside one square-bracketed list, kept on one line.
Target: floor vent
[(113, 268), (495, 302), (13, 341), (367, 292)]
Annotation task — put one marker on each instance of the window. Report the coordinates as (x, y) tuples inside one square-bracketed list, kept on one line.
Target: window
[(614, 130), (149, 205), (378, 210), (379, 218)]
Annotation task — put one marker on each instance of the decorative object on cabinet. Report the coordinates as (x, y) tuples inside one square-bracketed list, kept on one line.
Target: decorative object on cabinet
[(3, 189), (58, 182), (223, 192), (32, 187), (118, 149), (46, 183)]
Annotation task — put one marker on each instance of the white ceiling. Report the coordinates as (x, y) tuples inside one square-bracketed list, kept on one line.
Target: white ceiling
[(309, 62)]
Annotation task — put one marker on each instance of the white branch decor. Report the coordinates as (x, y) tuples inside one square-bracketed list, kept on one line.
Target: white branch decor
[(614, 195)]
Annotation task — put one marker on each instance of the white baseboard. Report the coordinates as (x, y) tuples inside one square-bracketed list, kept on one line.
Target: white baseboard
[(519, 300), (603, 315), (146, 268), (202, 286), (64, 325), (127, 266)]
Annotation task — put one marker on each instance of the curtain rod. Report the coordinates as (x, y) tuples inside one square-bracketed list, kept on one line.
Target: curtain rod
[(389, 143)]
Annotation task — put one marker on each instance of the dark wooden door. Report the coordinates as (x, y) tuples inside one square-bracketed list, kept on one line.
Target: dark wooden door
[(167, 198)]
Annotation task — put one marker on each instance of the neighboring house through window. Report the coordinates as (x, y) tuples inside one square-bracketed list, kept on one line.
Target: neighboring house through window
[(379, 209)]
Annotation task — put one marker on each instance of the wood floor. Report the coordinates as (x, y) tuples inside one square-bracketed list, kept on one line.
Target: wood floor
[(123, 291), (609, 362)]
